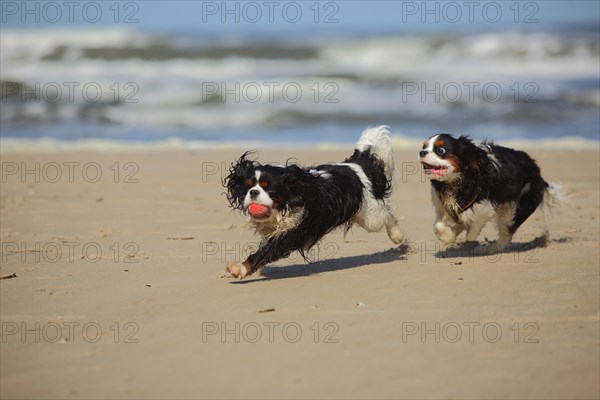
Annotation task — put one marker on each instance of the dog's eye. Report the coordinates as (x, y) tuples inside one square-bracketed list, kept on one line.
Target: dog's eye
[(263, 184), (441, 151), (249, 182)]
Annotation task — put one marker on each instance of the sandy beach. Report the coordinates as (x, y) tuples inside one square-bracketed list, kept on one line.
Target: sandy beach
[(119, 293)]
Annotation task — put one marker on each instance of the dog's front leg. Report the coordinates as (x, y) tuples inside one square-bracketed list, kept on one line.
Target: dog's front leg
[(445, 228), (270, 251), (447, 231)]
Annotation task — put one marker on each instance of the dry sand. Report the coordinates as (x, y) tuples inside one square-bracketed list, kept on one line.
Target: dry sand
[(151, 316)]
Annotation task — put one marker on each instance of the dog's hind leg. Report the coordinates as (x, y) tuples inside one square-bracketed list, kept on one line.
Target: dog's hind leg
[(505, 215), (532, 196), (393, 229)]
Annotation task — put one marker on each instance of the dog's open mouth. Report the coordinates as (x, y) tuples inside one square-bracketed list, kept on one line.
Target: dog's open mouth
[(259, 211), (434, 169)]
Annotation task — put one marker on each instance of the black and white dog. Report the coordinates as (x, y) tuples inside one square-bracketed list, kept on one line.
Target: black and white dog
[(472, 184), (292, 207)]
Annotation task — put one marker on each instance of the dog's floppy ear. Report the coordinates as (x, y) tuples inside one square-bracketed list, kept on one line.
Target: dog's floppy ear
[(471, 156), (235, 182), (295, 187)]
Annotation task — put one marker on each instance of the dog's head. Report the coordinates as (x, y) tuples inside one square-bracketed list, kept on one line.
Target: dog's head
[(263, 191), (446, 159)]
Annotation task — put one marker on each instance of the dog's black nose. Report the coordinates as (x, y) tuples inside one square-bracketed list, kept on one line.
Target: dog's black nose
[(422, 153), (254, 193)]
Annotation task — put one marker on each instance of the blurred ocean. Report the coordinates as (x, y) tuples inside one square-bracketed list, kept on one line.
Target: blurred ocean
[(151, 83)]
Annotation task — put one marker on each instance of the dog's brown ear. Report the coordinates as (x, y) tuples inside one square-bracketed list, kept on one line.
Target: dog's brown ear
[(235, 181)]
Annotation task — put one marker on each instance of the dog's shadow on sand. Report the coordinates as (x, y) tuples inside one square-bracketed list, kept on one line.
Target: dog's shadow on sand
[(476, 249), (471, 249), (336, 264)]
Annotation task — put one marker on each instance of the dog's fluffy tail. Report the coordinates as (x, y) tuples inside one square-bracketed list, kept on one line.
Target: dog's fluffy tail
[(554, 196), (378, 140)]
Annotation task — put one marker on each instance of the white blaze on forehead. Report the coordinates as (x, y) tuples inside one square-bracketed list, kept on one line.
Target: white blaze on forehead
[(263, 197), (431, 142)]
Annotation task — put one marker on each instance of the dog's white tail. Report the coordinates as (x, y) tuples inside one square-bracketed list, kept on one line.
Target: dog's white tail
[(379, 141), (554, 196)]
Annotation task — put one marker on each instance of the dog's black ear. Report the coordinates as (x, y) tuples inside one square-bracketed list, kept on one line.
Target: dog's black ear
[(235, 182), (295, 186), (472, 157)]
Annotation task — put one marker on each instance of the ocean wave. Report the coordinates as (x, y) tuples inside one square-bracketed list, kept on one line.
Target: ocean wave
[(165, 83)]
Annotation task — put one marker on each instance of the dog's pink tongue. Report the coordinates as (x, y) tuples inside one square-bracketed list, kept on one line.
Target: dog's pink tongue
[(258, 210)]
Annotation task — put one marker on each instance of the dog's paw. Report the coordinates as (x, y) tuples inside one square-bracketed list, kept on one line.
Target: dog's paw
[(237, 270), (444, 233), (395, 234)]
